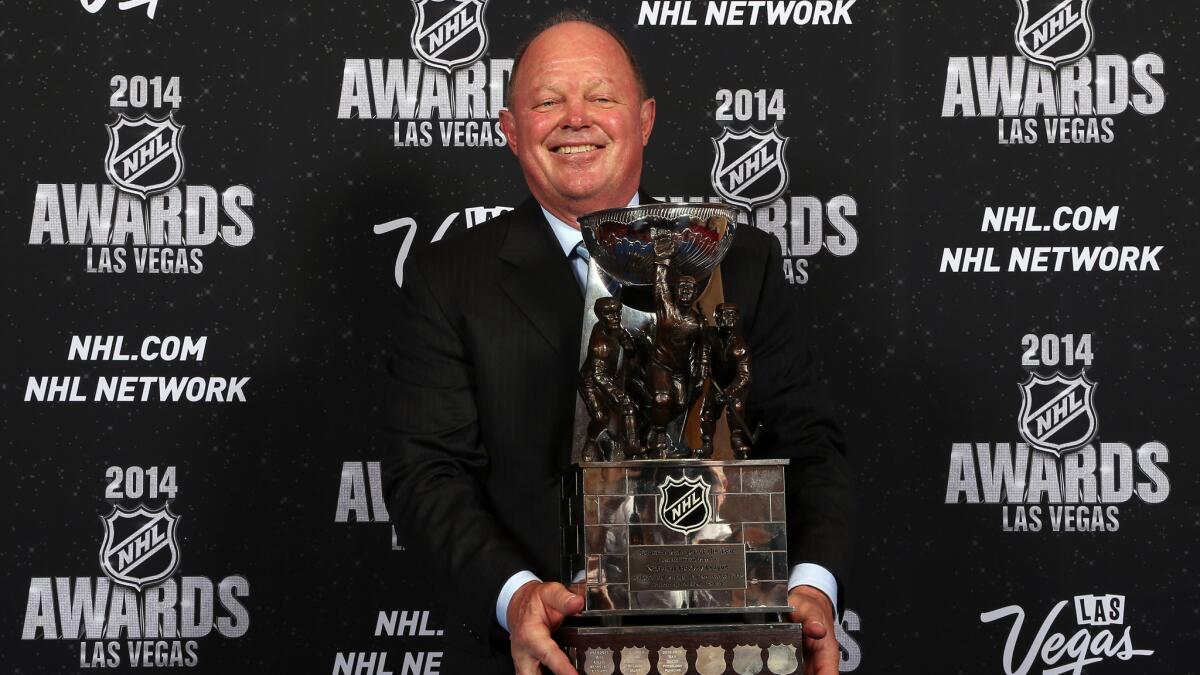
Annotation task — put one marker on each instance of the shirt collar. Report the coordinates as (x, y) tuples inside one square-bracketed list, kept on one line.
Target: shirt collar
[(568, 237)]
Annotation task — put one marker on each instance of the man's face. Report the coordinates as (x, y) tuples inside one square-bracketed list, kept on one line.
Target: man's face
[(577, 121)]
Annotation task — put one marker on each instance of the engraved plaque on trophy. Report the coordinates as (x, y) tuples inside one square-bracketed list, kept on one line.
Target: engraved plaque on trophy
[(674, 536)]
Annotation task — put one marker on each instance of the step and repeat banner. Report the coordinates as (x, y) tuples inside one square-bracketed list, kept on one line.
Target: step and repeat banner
[(987, 212)]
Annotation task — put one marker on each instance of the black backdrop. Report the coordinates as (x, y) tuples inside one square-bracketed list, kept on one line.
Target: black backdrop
[(274, 493)]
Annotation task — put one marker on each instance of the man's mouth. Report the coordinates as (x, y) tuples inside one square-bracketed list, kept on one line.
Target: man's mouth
[(575, 149)]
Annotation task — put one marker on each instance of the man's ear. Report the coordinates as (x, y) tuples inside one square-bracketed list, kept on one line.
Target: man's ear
[(648, 107), (508, 124)]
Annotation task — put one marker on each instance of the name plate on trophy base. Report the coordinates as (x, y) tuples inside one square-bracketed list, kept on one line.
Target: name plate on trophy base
[(676, 537), (716, 649)]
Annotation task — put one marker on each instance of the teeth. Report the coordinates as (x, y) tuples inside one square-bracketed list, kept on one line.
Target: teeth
[(572, 149)]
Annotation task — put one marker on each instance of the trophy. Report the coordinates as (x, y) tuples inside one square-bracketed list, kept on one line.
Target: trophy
[(674, 537)]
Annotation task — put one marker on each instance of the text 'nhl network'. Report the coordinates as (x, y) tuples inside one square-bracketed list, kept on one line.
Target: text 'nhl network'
[(745, 13)]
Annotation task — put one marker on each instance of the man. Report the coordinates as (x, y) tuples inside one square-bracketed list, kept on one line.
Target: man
[(485, 367)]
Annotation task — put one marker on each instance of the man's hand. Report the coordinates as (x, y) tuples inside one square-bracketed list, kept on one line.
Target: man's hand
[(813, 609), (535, 611)]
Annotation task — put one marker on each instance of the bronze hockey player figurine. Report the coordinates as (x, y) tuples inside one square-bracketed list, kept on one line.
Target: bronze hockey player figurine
[(725, 359), (602, 389), (676, 340)]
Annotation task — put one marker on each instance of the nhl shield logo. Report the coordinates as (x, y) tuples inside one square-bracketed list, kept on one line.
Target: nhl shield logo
[(1057, 413), (144, 156), (449, 34), (139, 548), (750, 168), (1054, 32), (683, 504)]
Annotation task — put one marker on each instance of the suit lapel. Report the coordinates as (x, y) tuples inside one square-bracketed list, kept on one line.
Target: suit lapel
[(541, 283)]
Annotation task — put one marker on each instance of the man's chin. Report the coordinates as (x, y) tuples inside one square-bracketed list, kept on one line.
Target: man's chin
[(595, 198)]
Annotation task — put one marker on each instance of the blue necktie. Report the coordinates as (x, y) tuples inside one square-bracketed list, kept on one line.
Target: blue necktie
[(579, 262)]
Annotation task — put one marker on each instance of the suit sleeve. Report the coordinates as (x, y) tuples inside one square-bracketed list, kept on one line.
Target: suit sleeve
[(435, 460), (799, 425)]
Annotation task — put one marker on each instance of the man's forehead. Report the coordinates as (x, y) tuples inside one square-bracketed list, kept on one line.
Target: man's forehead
[(576, 45), (582, 68)]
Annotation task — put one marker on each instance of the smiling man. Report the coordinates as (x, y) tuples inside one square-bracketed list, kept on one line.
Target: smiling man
[(484, 373), (577, 119)]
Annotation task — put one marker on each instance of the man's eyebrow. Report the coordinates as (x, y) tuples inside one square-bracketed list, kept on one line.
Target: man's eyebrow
[(595, 82), (547, 88)]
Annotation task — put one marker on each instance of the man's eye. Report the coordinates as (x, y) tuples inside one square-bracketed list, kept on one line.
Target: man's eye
[(546, 104)]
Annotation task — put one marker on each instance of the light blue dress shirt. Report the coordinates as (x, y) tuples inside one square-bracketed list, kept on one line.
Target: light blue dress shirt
[(569, 237)]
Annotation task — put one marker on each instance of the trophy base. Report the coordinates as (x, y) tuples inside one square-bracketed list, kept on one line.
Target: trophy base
[(630, 550), (703, 649)]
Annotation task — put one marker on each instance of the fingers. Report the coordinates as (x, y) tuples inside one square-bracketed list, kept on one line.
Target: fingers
[(814, 612), (810, 605), (558, 598), (813, 629), (812, 619), (536, 648), (527, 665), (532, 646), (543, 651), (552, 657), (821, 657)]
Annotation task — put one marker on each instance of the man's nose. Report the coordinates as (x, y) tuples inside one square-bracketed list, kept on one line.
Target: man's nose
[(576, 114)]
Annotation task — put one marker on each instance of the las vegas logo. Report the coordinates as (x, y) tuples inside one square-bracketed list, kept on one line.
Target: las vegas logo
[(447, 96), (1059, 477), (1058, 90), (141, 612)]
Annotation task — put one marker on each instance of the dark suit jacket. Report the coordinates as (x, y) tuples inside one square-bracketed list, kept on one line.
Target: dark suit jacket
[(482, 398)]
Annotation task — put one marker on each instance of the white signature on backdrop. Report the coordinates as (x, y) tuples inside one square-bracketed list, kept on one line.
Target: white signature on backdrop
[(93, 6), (471, 216)]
